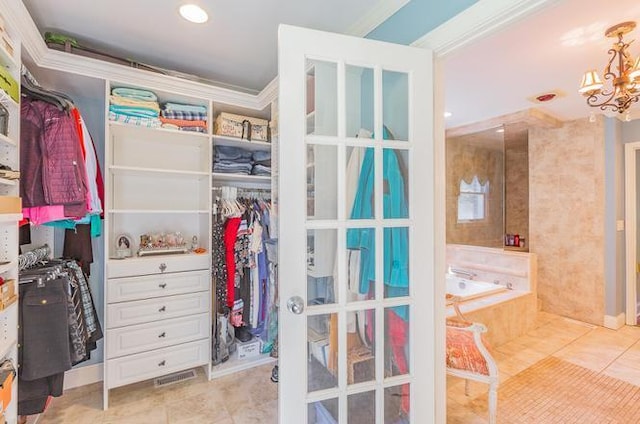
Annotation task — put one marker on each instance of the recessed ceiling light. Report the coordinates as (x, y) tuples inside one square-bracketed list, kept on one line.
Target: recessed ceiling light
[(194, 13), (448, 114)]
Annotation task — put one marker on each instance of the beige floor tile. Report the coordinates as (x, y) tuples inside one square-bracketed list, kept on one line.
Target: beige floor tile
[(157, 415), (207, 407), (630, 374), (76, 409), (266, 413)]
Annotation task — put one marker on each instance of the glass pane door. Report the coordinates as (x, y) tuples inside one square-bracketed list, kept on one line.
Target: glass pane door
[(356, 258)]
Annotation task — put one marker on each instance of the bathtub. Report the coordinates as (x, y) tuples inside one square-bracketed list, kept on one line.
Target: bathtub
[(466, 289)]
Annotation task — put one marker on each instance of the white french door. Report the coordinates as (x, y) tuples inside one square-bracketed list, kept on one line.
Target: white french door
[(358, 340)]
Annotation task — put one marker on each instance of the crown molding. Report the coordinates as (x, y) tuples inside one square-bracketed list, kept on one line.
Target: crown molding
[(376, 16), (481, 19), (268, 93)]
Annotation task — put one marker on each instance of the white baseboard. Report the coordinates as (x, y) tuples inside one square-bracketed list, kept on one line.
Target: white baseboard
[(614, 322), (82, 376)]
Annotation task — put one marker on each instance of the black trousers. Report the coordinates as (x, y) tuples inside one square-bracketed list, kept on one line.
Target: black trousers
[(43, 337)]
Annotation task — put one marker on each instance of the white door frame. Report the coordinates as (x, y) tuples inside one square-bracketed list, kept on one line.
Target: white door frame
[(630, 231)]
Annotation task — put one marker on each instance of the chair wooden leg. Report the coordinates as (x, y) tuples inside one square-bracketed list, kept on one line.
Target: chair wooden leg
[(493, 403)]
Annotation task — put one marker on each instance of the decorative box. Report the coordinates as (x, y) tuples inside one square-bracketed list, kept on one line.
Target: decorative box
[(245, 127), (249, 349)]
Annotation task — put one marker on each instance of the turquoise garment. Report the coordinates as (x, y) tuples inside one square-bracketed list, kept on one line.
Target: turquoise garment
[(396, 240), (93, 219), (134, 111), (135, 93)]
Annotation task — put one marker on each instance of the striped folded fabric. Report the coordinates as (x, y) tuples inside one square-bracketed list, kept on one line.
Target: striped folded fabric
[(184, 114), (184, 122), (185, 108), (135, 120)]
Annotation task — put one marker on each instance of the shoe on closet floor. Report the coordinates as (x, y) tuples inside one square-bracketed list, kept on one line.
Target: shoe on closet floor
[(274, 374)]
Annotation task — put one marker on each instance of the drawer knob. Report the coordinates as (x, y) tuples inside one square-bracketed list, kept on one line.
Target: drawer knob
[(162, 363), (163, 267), (162, 285), (162, 309), (161, 335)]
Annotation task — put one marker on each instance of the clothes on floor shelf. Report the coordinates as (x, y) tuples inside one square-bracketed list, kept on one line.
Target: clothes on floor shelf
[(61, 182), (235, 160), (244, 274), (58, 326)]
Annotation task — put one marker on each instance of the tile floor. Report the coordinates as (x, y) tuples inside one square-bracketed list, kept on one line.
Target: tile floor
[(250, 397), (615, 353)]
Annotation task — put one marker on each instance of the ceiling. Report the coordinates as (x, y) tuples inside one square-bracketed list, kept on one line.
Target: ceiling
[(493, 76), (548, 51), (236, 47)]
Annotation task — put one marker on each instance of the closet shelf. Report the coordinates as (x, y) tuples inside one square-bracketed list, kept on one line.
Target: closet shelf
[(6, 182), (8, 61), (7, 140), (221, 140), (233, 365), (158, 211), (115, 125), (132, 170), (10, 217), (8, 267), (239, 178)]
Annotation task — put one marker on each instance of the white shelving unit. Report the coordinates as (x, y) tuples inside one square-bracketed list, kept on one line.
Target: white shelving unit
[(161, 180), (10, 156), (157, 181)]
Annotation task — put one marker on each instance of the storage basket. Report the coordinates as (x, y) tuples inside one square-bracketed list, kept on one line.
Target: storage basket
[(246, 127)]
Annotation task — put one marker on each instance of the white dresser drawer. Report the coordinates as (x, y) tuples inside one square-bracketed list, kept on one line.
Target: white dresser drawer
[(150, 286), (142, 311), (143, 366), (143, 337), (156, 265)]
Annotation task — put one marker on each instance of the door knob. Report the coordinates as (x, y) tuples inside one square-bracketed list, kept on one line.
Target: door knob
[(295, 305)]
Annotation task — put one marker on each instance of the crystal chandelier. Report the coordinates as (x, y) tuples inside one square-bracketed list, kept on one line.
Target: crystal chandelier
[(622, 75)]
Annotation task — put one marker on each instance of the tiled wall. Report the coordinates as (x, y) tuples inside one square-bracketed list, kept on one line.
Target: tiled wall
[(516, 190), (465, 158), (566, 217)]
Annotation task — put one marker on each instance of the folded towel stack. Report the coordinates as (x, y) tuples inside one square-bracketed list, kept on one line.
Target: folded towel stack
[(185, 117), (235, 160), (134, 106)]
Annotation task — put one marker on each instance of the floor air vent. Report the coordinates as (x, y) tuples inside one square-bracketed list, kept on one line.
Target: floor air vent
[(174, 378)]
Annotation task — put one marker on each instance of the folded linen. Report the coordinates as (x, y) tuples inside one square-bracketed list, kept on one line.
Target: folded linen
[(231, 153), (194, 129), (135, 120), (232, 168), (126, 101), (261, 170), (263, 162), (185, 107), (184, 122), (259, 155), (134, 111), (135, 93), (184, 114)]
